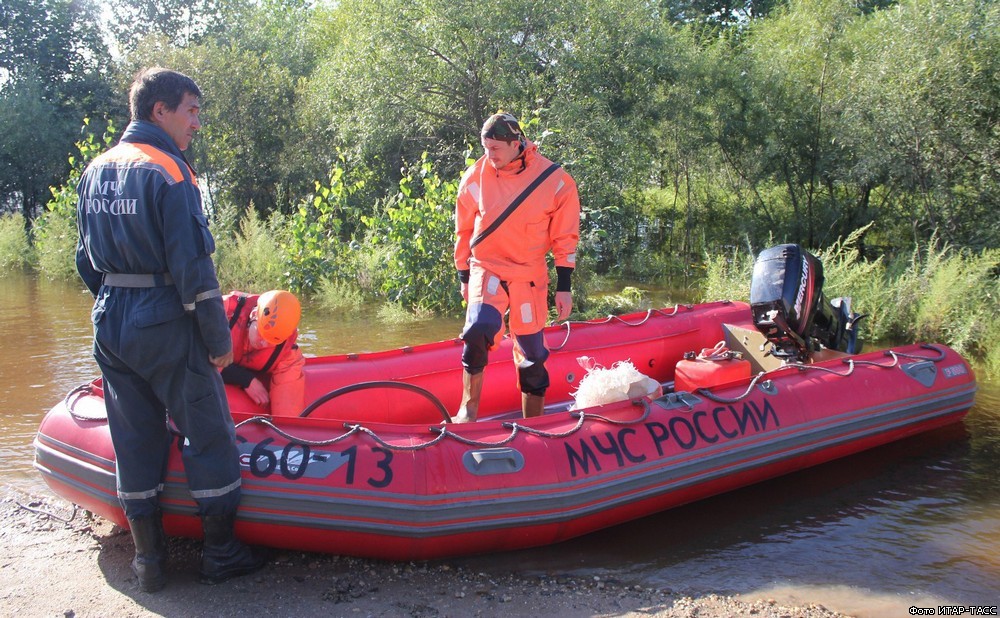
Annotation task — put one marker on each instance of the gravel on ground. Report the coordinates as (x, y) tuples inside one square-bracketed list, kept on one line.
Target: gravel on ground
[(56, 560)]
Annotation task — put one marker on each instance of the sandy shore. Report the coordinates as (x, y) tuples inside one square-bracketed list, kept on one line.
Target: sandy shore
[(60, 562)]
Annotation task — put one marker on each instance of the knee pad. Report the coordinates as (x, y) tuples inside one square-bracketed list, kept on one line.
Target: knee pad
[(533, 378), (531, 373), (481, 327)]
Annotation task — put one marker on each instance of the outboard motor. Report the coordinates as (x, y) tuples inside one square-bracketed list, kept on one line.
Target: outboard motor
[(788, 307)]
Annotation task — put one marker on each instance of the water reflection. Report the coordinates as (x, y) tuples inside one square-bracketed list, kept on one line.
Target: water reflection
[(909, 519), (917, 522), (45, 340), (322, 333)]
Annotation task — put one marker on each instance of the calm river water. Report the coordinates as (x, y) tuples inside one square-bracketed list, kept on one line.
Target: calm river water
[(914, 524)]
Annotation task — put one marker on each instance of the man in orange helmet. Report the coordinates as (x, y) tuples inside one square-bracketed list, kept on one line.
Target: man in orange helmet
[(267, 364), (514, 206)]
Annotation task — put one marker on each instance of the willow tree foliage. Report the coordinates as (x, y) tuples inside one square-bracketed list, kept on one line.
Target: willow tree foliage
[(184, 22), (822, 118), (51, 58), (249, 148), (923, 117), (422, 76), (797, 63), (691, 126)]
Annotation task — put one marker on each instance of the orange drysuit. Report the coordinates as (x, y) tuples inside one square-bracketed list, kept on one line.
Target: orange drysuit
[(507, 268), (549, 219), (278, 367)]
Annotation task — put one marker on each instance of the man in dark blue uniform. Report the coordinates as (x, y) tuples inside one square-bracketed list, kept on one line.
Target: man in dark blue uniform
[(160, 330)]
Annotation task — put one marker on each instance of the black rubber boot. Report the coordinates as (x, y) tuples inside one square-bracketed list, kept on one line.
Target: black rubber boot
[(150, 562), (223, 556)]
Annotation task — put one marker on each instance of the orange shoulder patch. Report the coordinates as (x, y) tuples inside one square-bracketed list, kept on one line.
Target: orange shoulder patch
[(144, 155)]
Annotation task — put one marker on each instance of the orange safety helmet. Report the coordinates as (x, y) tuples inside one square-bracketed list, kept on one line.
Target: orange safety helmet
[(278, 314)]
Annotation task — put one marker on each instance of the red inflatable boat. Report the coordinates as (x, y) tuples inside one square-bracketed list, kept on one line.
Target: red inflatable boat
[(372, 470)]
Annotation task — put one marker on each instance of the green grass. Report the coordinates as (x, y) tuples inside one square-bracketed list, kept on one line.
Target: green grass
[(248, 255), (15, 252), (55, 247)]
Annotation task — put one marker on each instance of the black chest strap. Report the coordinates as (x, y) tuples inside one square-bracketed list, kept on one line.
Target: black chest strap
[(513, 205)]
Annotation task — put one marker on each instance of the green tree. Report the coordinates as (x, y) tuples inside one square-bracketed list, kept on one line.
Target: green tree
[(796, 62), (33, 133), (57, 41), (51, 60), (422, 76), (184, 22), (707, 151), (828, 118), (722, 13), (249, 107), (925, 116), (250, 75)]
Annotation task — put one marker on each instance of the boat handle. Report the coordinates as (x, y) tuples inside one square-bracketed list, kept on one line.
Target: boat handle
[(493, 461)]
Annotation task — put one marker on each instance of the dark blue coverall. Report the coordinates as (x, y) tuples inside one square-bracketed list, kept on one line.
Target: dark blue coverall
[(145, 254)]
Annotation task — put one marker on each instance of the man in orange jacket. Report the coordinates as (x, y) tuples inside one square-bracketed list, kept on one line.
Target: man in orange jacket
[(514, 206), (267, 363)]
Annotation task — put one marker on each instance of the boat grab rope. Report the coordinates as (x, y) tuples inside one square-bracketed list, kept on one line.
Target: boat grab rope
[(704, 392), (897, 355), (444, 433), (76, 395), (352, 428), (267, 422), (515, 427), (614, 318), (850, 362)]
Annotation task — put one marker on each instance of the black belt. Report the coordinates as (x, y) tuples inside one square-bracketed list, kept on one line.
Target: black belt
[(125, 280)]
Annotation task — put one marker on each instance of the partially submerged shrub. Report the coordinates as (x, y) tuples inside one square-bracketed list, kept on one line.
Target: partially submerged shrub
[(15, 252)]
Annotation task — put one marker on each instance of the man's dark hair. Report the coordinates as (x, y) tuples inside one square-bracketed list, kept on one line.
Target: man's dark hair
[(158, 84)]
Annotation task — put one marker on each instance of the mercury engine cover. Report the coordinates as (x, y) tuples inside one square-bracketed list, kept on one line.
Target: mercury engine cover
[(788, 307)]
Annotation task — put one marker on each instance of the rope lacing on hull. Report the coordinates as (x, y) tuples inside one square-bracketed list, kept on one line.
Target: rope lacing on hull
[(850, 362), (443, 432), (614, 318)]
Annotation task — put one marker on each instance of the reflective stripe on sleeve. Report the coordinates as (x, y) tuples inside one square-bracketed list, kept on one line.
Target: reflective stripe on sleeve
[(216, 293)]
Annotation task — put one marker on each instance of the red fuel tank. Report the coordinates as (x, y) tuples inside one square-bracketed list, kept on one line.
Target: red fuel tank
[(711, 367)]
